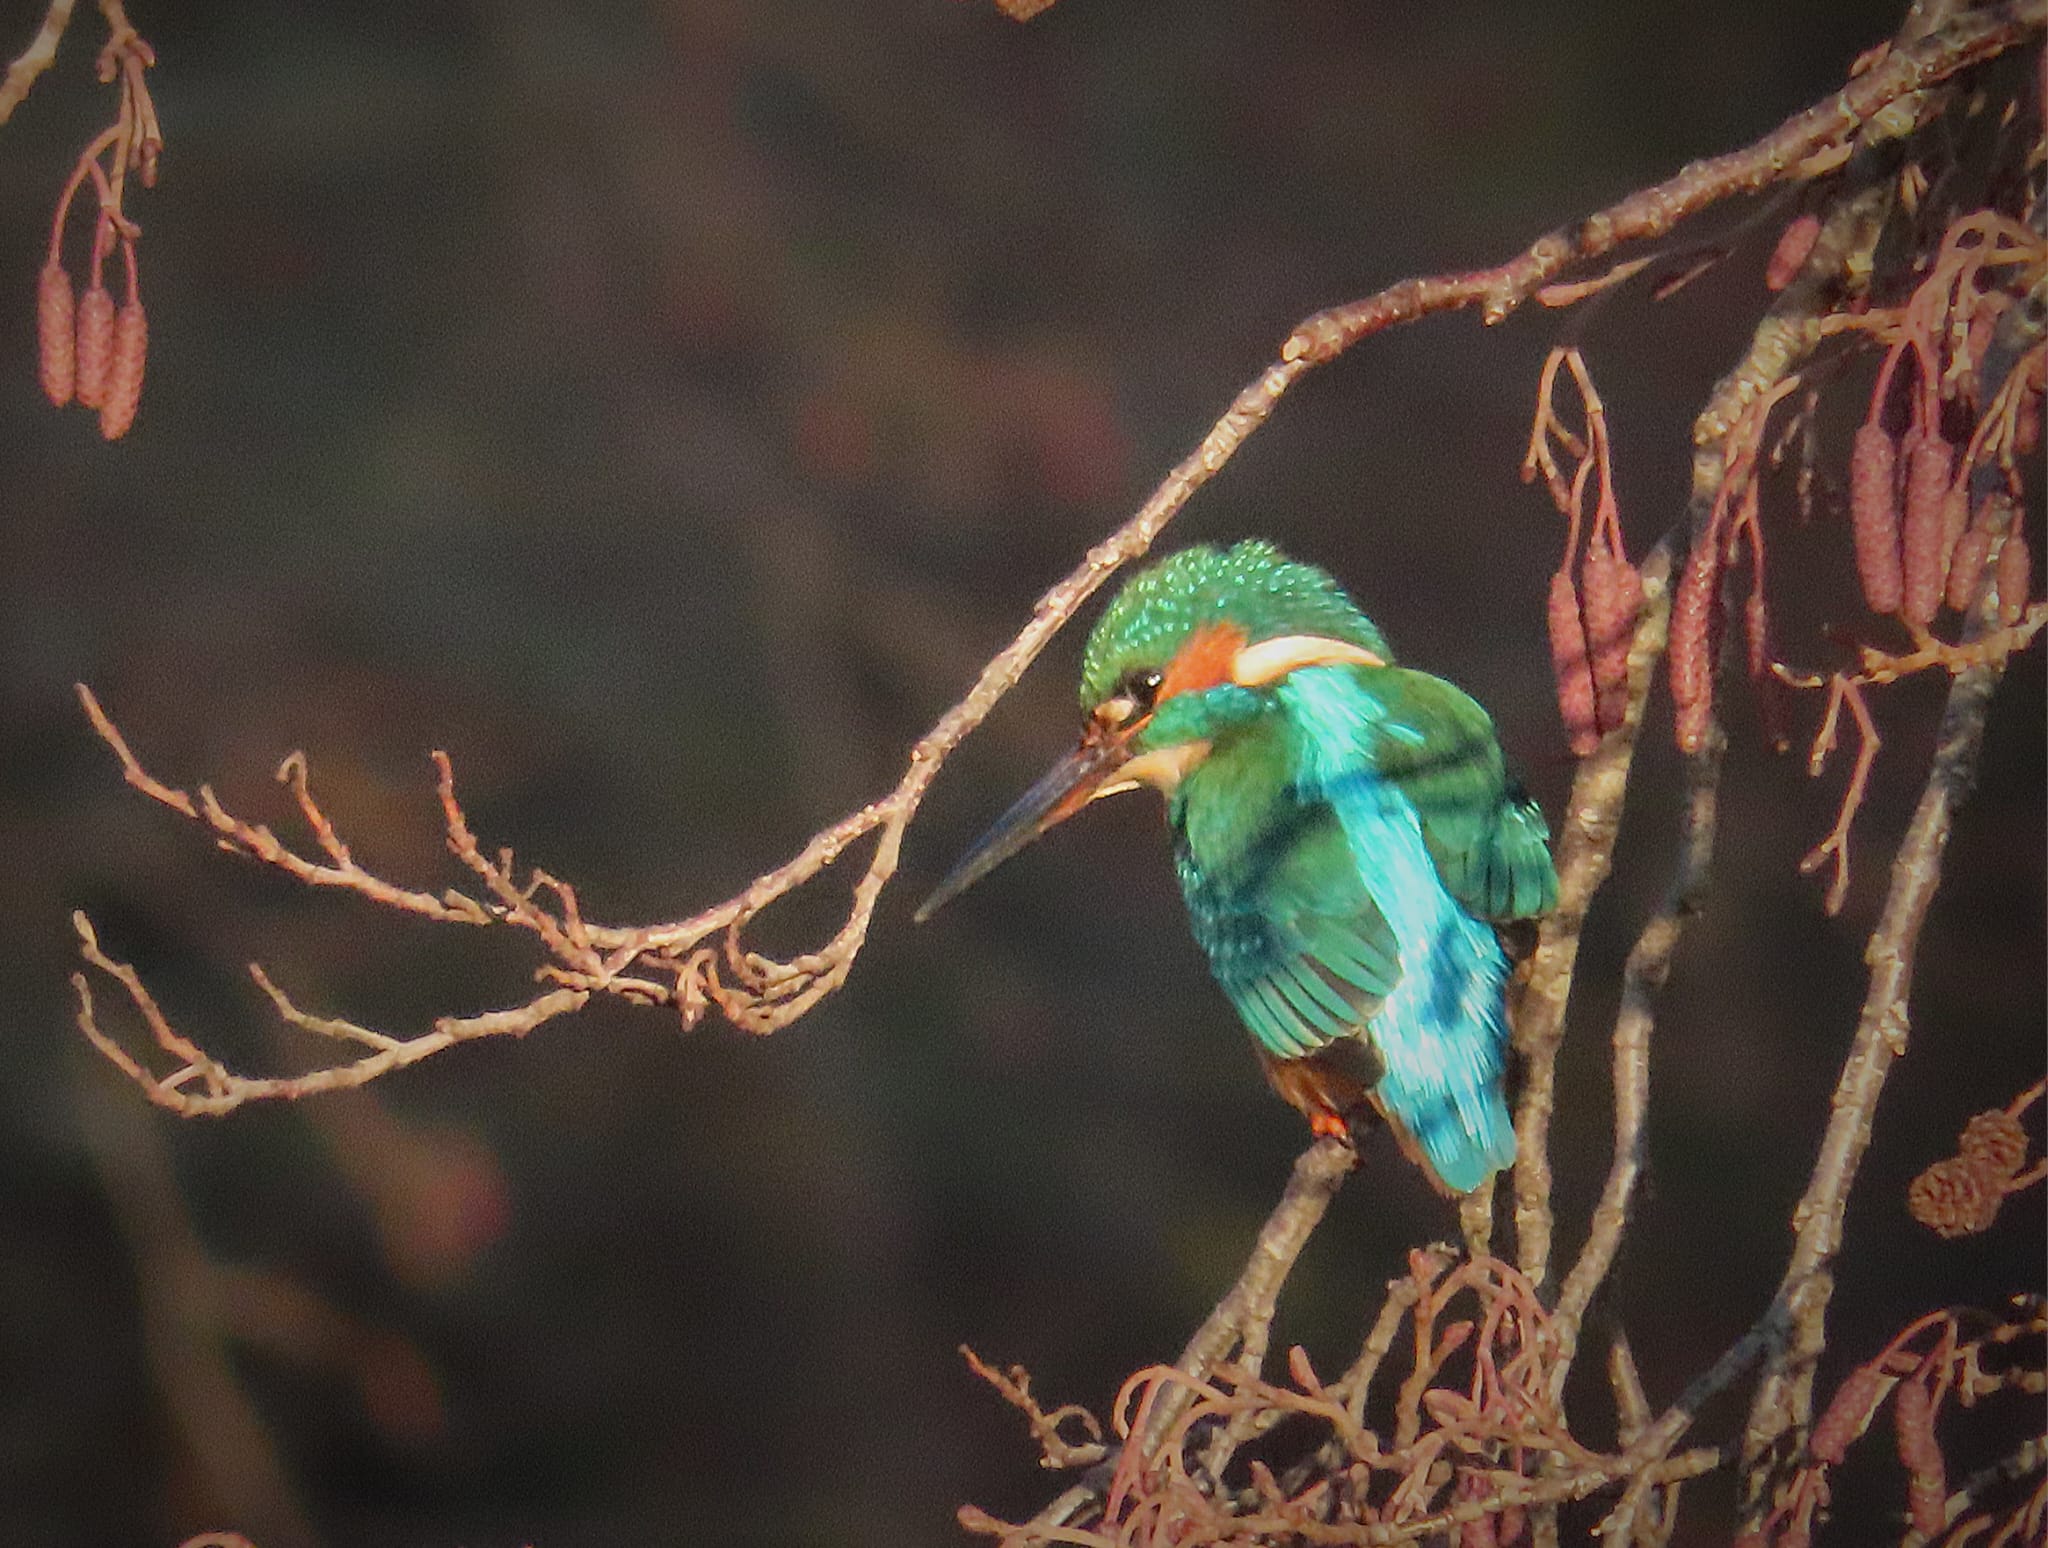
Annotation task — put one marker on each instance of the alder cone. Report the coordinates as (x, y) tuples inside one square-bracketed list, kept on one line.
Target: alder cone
[(2015, 576), (1958, 1196), (1930, 465), (1997, 1141), (1874, 518), (1571, 665), (95, 345), (56, 334), (124, 371)]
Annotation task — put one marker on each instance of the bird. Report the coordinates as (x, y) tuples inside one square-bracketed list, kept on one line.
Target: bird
[(1347, 835)]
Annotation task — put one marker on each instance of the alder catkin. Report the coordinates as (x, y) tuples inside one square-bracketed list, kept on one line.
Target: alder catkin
[(1955, 521), (1695, 627), (1612, 592), (1570, 664), (1973, 548), (2026, 425), (95, 344), (1920, 1451), (1874, 517), (2015, 576), (1930, 465), (1795, 243), (124, 370), (56, 333), (1847, 1415)]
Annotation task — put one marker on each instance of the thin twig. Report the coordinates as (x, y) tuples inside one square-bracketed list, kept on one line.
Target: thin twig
[(1245, 1314), (1585, 855), (1783, 1406), (700, 962), (32, 61)]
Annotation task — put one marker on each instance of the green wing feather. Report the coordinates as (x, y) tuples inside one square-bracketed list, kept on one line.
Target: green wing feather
[(1276, 900), (1487, 837)]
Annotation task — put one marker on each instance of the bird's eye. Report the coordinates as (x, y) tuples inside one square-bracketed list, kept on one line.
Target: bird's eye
[(1141, 688), (1136, 692)]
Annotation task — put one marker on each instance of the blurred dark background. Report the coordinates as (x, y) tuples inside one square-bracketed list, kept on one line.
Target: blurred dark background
[(665, 409)]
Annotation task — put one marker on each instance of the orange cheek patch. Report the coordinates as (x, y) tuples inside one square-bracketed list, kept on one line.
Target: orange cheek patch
[(1204, 661)]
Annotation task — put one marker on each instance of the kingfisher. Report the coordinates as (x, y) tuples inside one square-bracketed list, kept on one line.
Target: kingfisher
[(1346, 831)]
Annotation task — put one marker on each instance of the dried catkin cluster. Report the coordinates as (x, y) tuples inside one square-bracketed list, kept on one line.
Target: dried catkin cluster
[(89, 349), (1936, 474), (1964, 1355), (1591, 617), (1910, 492)]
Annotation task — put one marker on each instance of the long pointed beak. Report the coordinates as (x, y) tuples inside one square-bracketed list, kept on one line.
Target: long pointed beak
[(1085, 773)]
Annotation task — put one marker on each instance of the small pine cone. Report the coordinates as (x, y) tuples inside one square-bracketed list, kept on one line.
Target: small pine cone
[(95, 345), (56, 333), (1613, 591), (1874, 517), (1930, 466), (1795, 243), (1847, 1415), (124, 371), (1695, 631), (1955, 1197), (2015, 577), (1997, 1142), (1920, 1451), (1569, 663)]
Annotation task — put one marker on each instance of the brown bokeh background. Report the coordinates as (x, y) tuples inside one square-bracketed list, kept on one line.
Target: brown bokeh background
[(665, 408)]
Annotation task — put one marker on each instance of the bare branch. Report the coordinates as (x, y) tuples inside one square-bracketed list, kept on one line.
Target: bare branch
[(1783, 1406)]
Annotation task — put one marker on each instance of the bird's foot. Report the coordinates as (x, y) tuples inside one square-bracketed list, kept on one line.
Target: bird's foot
[(1329, 1125)]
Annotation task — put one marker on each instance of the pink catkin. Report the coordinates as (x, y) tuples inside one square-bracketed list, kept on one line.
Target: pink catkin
[(124, 370), (2026, 425), (95, 344), (1874, 517), (1973, 548), (1573, 669), (1930, 465), (1920, 1451), (2015, 576), (1613, 594), (1795, 243), (1694, 630), (1847, 1416), (1955, 521), (56, 334)]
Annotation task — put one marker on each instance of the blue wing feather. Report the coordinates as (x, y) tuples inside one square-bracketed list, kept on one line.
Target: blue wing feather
[(1441, 1029)]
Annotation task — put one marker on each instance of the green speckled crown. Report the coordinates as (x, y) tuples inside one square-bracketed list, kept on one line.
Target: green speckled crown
[(1251, 584)]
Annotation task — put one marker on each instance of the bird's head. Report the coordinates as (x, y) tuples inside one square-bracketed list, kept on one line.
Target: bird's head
[(1188, 648)]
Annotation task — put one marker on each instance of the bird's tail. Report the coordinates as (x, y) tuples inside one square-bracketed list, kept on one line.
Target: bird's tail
[(1442, 1037)]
